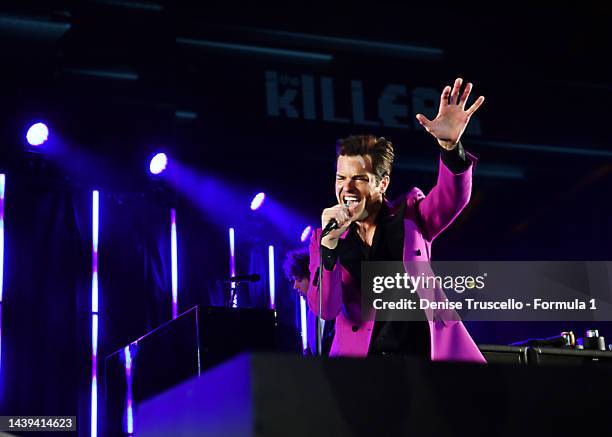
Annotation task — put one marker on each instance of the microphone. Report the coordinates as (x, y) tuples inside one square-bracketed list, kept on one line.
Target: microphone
[(253, 277), (332, 225)]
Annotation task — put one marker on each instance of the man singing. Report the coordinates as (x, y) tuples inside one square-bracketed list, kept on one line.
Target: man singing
[(369, 228)]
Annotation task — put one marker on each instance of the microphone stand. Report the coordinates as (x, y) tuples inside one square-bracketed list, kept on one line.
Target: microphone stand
[(233, 292), (233, 283), (324, 232)]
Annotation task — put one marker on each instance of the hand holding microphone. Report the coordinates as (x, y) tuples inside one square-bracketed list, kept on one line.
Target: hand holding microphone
[(334, 222)]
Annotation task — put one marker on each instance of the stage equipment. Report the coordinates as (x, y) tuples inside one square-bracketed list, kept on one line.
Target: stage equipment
[(567, 340), (546, 356), (269, 395), (187, 346), (501, 354)]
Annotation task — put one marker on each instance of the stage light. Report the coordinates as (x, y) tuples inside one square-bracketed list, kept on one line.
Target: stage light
[(94, 407), (95, 217), (257, 201), (174, 262), (2, 185), (95, 220), (272, 279), (232, 268), (129, 412), (37, 134), (158, 163), (94, 377), (304, 322), (305, 233)]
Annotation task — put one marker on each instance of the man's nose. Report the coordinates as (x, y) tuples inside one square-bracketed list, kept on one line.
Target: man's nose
[(295, 284), (347, 184)]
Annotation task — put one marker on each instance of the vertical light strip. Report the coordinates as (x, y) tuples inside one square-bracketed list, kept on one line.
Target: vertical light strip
[(174, 260), (2, 185), (94, 337), (232, 268), (94, 377), (271, 275), (303, 323), (197, 318), (129, 412), (94, 407), (95, 216), (0, 338), (94, 250)]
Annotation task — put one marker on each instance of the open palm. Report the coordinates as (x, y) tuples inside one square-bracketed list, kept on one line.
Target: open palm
[(452, 118)]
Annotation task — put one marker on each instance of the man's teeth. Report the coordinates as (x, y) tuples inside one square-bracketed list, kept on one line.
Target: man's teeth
[(349, 200)]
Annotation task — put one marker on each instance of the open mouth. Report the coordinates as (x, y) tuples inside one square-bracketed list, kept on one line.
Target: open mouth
[(350, 200)]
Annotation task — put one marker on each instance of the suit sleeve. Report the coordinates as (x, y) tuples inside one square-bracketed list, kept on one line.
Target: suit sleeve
[(447, 198), (331, 284)]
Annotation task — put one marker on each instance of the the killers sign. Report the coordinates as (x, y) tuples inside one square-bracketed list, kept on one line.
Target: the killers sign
[(308, 97)]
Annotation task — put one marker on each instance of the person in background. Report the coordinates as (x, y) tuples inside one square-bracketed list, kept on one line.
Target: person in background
[(296, 267)]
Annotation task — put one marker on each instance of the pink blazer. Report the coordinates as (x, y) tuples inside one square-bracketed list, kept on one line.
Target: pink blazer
[(425, 218)]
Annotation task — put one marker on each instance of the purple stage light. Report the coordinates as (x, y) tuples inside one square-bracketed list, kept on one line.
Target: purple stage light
[(0, 336), (174, 261), (129, 411), (306, 233), (232, 269), (94, 377), (304, 322), (257, 201), (271, 274), (2, 185), (95, 217), (158, 163), (94, 407), (37, 134)]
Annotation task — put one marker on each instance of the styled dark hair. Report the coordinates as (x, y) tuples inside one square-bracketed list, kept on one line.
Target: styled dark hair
[(380, 151), (296, 264)]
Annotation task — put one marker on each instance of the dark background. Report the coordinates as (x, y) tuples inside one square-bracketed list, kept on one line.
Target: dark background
[(116, 81)]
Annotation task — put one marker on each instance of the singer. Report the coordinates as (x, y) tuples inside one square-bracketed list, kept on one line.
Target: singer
[(365, 226)]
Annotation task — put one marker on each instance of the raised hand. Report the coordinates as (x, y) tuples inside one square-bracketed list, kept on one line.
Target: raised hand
[(452, 118)]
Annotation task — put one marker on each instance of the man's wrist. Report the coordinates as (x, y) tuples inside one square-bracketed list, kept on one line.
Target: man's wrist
[(329, 243), (455, 160), (329, 257), (447, 145)]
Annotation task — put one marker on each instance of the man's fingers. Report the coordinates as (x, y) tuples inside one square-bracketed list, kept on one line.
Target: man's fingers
[(465, 95), (341, 215), (444, 96), (475, 105), (455, 93), (344, 226), (424, 120), (344, 216)]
